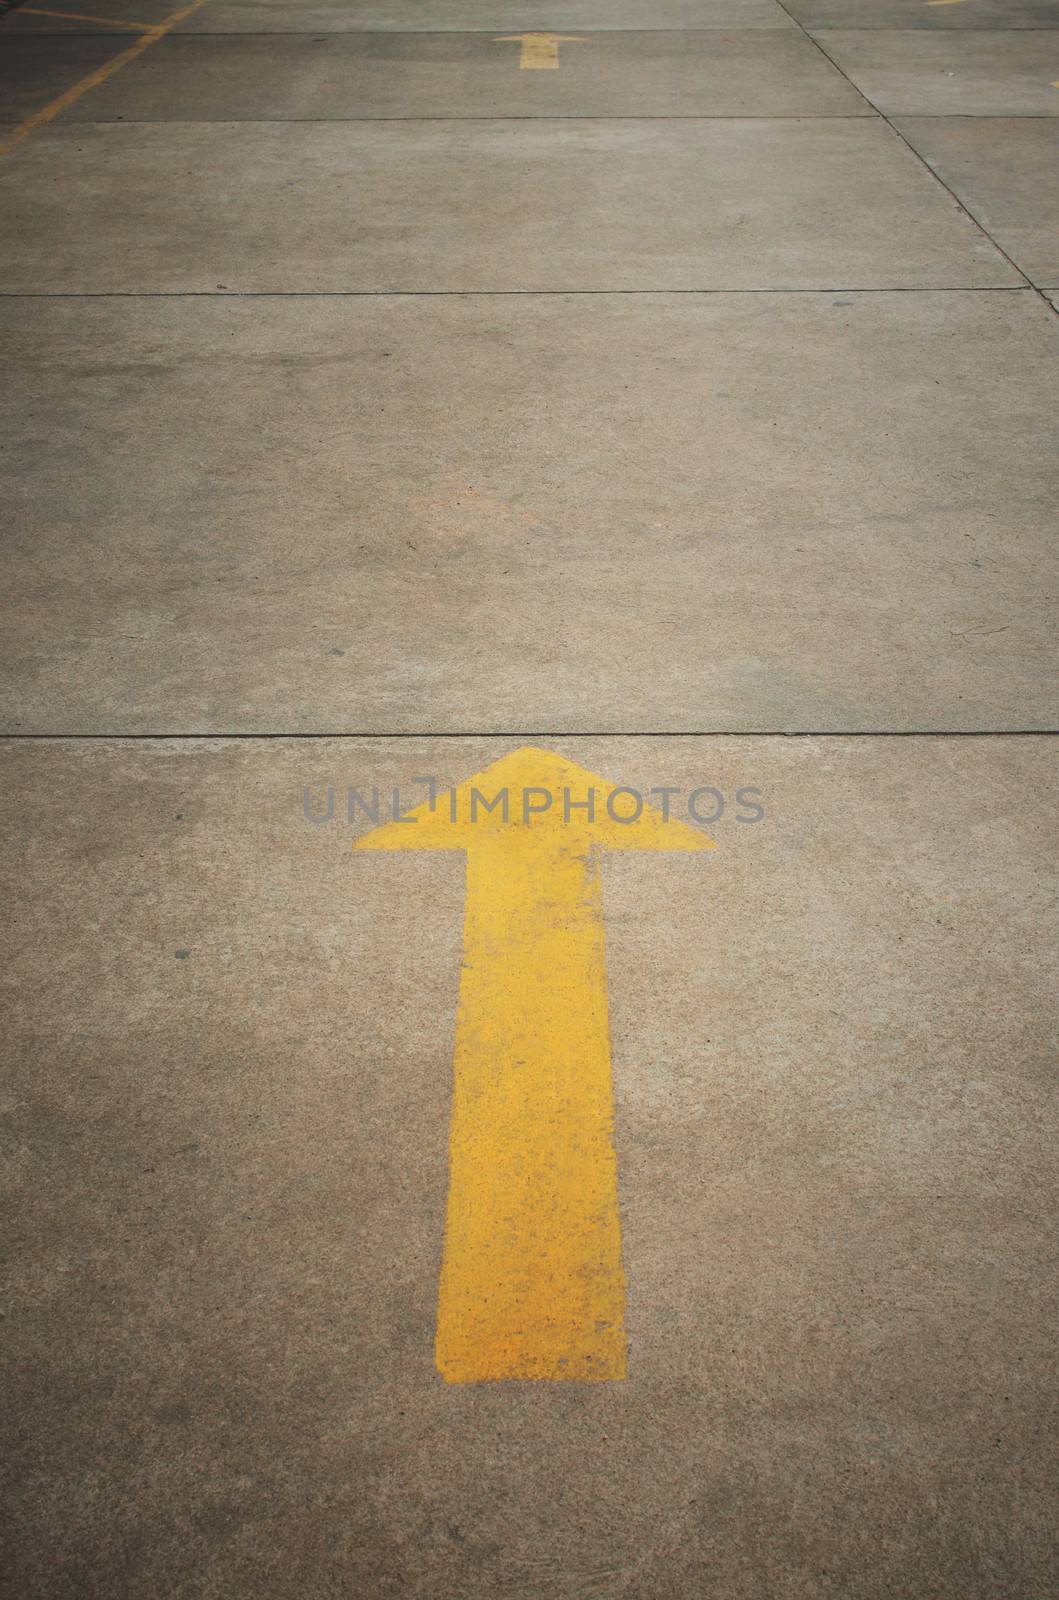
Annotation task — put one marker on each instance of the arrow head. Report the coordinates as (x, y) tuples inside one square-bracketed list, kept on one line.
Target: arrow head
[(536, 793)]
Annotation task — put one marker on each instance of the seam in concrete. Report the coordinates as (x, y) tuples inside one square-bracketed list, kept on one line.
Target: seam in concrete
[(413, 33), (69, 97), (921, 159), (551, 733), (444, 33), (568, 116), (485, 294)]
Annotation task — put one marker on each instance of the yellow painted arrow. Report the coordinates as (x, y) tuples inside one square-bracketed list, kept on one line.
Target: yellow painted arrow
[(531, 1280), (538, 49)]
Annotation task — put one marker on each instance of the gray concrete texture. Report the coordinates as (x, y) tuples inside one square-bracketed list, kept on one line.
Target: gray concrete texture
[(926, 14), (33, 71), (422, 16), (671, 396), (980, 74), (229, 1056), (365, 75), (111, 18), (1006, 172), (485, 205), (838, 516)]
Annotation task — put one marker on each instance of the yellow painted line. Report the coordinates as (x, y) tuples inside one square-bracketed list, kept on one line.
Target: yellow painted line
[(70, 97), (532, 1284), (538, 49), (77, 16), (945, 2)]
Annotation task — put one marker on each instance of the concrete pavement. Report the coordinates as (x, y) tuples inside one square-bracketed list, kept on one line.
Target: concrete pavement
[(429, 490), (676, 415), (230, 1091)]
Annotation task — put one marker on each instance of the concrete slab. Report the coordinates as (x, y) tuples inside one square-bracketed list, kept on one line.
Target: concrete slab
[(367, 75), (981, 74), (398, 16), (230, 1057), (1006, 172), (112, 18), (418, 16), (34, 71), (234, 1047), (411, 513), (962, 15), (479, 206)]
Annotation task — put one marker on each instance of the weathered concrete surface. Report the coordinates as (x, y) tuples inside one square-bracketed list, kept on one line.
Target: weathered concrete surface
[(33, 71), (365, 75), (893, 14), (425, 16), (979, 74), (228, 1040), (400, 513), (1006, 172), (229, 1052), (478, 206), (398, 16), (111, 18)]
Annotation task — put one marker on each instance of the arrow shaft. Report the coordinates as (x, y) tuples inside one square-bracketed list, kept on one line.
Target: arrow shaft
[(538, 52), (532, 1283)]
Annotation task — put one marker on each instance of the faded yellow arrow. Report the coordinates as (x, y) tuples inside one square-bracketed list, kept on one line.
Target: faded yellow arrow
[(531, 1280), (538, 49)]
